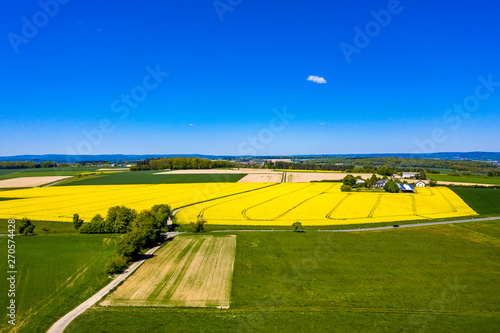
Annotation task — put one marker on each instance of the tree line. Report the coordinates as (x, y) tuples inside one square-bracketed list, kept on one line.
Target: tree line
[(27, 165), (395, 164), (181, 163), (139, 231), (410, 164)]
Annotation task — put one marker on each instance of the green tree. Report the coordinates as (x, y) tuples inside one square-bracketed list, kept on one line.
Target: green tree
[(384, 171), (148, 226), (163, 213), (373, 180), (96, 226), (120, 218), (432, 183), (130, 245), (349, 180), (116, 264), (26, 227), (391, 187), (346, 188), (77, 221)]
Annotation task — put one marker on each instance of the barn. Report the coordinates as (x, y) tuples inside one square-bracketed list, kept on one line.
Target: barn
[(406, 188)]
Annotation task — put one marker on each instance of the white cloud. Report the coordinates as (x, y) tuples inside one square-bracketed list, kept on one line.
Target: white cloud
[(322, 123), (317, 79)]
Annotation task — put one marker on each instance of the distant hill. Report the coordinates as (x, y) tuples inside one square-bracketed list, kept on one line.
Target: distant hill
[(117, 158)]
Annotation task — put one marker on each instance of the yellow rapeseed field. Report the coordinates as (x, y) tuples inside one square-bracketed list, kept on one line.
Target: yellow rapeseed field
[(325, 204), (59, 203), (237, 203)]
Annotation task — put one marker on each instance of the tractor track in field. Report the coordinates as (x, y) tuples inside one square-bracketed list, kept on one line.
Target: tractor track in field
[(329, 215), (244, 212), (375, 206), (202, 212), (453, 209), (300, 203)]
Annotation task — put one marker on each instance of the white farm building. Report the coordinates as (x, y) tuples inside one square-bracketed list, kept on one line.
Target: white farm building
[(407, 175), (420, 184)]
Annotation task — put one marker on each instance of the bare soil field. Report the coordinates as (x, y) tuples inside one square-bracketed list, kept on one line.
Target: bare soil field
[(187, 272), (30, 181), (305, 177), (460, 183), (203, 171), (261, 178)]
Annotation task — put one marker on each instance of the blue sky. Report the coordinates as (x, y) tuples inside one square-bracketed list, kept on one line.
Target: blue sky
[(237, 71)]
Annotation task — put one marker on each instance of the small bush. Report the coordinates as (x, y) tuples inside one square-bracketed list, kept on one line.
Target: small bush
[(116, 264), (346, 188), (198, 226), (26, 227), (77, 221), (297, 226)]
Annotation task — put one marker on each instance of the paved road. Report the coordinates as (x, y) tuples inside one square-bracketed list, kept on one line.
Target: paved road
[(417, 224), (283, 178), (378, 228), (61, 324)]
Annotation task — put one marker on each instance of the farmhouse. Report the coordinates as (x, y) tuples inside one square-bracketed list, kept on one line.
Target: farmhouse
[(360, 181), (406, 188), (420, 184), (407, 175), (381, 183)]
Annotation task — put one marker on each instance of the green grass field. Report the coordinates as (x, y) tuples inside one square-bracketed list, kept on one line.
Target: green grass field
[(55, 273), (484, 201), (436, 278), (149, 177), (54, 227), (69, 171), (6, 171), (465, 179)]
